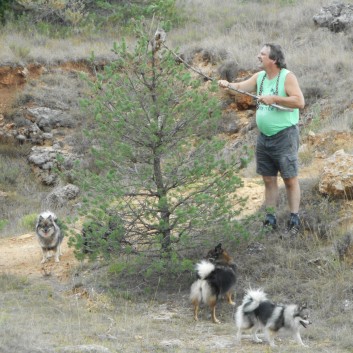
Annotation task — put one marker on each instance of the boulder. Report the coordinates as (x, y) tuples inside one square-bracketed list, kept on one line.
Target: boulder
[(60, 196), (337, 17), (337, 177), (48, 119)]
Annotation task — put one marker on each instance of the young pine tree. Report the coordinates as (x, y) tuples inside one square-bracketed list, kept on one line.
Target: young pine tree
[(157, 184)]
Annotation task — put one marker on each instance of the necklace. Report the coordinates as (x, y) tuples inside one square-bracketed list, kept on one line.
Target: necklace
[(262, 83)]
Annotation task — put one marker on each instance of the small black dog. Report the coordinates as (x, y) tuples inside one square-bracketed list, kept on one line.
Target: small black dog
[(216, 277)]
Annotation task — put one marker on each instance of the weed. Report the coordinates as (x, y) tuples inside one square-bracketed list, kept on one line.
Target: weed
[(28, 222), (12, 283), (20, 51)]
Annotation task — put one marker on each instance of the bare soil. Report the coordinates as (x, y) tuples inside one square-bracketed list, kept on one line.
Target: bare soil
[(22, 255)]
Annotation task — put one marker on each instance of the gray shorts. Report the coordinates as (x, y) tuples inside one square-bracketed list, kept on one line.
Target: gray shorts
[(278, 153)]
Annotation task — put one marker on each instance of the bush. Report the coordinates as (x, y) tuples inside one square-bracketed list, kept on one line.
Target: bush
[(158, 172), (28, 222), (3, 223)]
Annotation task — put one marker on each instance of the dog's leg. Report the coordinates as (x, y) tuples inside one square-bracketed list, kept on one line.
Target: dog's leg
[(238, 336), (57, 253), (269, 337), (298, 338), (45, 256), (212, 303), (195, 303), (229, 298), (255, 338)]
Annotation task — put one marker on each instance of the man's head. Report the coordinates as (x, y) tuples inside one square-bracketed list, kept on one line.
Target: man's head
[(276, 54)]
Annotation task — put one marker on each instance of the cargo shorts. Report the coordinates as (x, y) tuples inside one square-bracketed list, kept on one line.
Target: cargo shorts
[(278, 153)]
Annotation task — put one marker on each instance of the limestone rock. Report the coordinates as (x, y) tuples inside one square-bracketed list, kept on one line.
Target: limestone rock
[(337, 17), (337, 177)]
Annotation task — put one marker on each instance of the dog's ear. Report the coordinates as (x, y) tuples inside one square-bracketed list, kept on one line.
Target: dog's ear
[(218, 247), (303, 306)]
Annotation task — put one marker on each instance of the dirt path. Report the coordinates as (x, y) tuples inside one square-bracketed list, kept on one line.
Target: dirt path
[(21, 255)]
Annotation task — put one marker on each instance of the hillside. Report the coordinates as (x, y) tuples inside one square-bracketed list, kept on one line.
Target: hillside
[(169, 315), (82, 307)]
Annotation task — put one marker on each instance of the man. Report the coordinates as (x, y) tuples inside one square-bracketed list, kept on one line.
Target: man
[(278, 140)]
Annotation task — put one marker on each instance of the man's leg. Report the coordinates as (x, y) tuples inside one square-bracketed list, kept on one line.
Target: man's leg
[(293, 193), (271, 191), (271, 200)]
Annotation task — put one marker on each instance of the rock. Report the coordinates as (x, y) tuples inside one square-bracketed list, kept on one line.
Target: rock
[(337, 17), (48, 119), (42, 156), (61, 195), (45, 160), (21, 138), (337, 177), (229, 123)]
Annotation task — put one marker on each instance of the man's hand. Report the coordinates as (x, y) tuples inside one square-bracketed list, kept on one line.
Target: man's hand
[(268, 100), (223, 83)]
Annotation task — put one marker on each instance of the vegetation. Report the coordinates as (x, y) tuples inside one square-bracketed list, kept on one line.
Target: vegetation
[(157, 184), (68, 17)]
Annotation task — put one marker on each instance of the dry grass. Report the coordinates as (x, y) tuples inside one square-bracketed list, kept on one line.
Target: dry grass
[(320, 59), (21, 191), (86, 311)]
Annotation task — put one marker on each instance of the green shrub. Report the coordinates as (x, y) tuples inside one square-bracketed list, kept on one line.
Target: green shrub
[(4, 7), (3, 223), (153, 196), (29, 221)]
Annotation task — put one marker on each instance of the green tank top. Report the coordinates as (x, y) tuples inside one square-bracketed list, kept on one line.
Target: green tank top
[(270, 120)]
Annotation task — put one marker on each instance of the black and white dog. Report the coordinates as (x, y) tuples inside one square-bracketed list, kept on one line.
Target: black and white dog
[(257, 312), (216, 277)]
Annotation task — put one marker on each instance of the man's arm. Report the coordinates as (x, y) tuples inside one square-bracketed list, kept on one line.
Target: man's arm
[(248, 85)]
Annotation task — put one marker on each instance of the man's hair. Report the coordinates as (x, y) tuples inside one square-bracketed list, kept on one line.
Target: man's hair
[(276, 53)]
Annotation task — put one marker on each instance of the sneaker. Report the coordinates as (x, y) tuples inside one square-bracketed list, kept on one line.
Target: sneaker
[(270, 221), (293, 226)]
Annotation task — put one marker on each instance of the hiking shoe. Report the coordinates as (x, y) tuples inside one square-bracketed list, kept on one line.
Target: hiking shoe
[(293, 225), (270, 221)]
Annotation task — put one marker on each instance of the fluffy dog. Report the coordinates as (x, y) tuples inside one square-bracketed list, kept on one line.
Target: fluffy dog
[(49, 235), (216, 278), (257, 312)]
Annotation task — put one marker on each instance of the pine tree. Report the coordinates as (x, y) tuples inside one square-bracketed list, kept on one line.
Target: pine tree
[(157, 183)]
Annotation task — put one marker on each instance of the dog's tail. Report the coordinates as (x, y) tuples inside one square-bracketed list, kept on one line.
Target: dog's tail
[(252, 299), (200, 290), (204, 268)]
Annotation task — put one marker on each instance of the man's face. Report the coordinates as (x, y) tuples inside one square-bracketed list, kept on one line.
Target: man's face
[(264, 57)]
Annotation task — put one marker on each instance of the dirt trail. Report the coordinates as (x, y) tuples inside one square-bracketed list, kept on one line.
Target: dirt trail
[(22, 255)]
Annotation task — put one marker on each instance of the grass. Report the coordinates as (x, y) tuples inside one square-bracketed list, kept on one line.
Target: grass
[(85, 312), (22, 192)]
